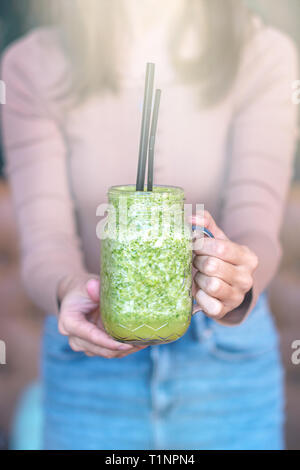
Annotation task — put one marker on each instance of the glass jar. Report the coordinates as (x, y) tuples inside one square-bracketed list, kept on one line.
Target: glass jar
[(146, 266)]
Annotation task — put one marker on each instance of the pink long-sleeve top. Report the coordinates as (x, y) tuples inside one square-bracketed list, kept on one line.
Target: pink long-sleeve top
[(235, 157)]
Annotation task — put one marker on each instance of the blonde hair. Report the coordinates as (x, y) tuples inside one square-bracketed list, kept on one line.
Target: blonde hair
[(93, 33)]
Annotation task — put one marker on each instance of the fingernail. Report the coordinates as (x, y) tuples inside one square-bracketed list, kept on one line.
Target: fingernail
[(125, 347)]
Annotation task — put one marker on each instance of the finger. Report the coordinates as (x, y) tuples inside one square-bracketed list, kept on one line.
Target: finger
[(216, 267), (213, 308), (119, 355), (206, 220), (82, 328), (218, 289), (134, 350), (237, 276), (80, 345), (226, 250), (213, 286), (93, 289)]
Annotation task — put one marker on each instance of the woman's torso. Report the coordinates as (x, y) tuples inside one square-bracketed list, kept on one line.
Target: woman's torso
[(102, 135)]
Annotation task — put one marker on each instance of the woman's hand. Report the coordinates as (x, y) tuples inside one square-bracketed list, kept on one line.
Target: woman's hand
[(80, 320), (224, 271)]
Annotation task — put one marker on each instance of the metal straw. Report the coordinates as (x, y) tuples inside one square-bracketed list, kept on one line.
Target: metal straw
[(140, 180), (152, 140)]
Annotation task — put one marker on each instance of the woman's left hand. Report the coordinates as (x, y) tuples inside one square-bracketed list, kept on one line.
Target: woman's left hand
[(224, 271)]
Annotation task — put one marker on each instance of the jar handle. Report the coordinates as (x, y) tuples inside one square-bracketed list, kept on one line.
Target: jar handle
[(208, 234)]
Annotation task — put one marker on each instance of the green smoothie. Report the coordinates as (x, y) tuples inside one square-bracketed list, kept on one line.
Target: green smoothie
[(146, 258)]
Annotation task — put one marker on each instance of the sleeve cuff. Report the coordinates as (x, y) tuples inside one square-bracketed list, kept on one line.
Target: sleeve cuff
[(238, 315)]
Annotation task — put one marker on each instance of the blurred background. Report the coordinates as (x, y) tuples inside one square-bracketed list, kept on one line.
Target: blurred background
[(21, 322)]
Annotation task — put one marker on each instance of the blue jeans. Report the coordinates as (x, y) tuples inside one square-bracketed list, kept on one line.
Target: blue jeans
[(216, 388)]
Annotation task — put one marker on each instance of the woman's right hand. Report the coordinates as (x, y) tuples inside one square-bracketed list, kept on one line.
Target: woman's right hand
[(80, 320)]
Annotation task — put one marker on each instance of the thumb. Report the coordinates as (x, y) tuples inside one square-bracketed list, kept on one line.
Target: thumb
[(206, 220), (93, 289)]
